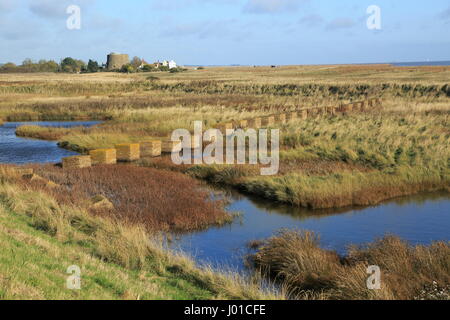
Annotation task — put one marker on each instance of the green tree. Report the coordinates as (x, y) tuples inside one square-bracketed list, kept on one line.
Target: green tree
[(8, 67), (92, 66), (81, 66), (48, 66), (149, 68), (69, 65), (128, 68)]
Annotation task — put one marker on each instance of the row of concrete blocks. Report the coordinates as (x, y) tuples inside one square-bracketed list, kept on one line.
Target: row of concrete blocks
[(154, 148), (303, 114), (127, 152)]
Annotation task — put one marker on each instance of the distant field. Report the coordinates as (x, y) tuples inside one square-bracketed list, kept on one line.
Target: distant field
[(282, 74), (112, 95)]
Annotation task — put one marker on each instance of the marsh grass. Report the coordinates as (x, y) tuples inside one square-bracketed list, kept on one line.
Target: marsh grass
[(358, 159), (295, 258), (109, 96)]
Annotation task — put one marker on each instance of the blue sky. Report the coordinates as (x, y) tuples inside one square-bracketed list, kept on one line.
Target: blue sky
[(222, 32)]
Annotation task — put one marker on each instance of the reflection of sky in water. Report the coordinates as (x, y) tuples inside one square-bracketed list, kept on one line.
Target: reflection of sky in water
[(419, 220), (20, 151)]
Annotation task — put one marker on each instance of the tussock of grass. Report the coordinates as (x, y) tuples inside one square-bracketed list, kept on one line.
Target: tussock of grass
[(296, 259)]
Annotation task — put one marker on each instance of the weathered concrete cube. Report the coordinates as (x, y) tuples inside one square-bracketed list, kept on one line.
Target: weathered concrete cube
[(255, 123), (169, 146), (103, 156), (76, 162), (281, 118), (268, 121), (151, 148), (128, 152)]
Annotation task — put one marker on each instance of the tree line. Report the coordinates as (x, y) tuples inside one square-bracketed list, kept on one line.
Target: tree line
[(68, 65), (71, 65)]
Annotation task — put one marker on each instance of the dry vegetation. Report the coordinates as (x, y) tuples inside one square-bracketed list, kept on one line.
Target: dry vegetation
[(107, 95), (158, 200), (407, 272)]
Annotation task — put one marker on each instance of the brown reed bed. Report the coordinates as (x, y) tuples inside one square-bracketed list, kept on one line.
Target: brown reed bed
[(159, 200), (295, 259)]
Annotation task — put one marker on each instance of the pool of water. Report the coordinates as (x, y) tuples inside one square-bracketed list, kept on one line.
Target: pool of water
[(18, 150), (418, 219)]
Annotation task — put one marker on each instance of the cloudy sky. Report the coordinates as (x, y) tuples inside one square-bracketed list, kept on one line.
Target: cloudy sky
[(222, 32)]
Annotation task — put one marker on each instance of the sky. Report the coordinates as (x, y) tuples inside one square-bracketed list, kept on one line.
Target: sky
[(224, 32)]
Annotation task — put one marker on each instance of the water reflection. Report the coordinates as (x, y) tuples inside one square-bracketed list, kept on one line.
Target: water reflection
[(418, 219), (18, 150)]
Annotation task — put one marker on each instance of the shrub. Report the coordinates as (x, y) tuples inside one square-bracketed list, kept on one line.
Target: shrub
[(128, 68)]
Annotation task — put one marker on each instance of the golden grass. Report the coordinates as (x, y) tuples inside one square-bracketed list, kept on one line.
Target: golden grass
[(407, 272)]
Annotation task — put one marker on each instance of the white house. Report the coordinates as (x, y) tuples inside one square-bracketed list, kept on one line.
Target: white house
[(171, 64)]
